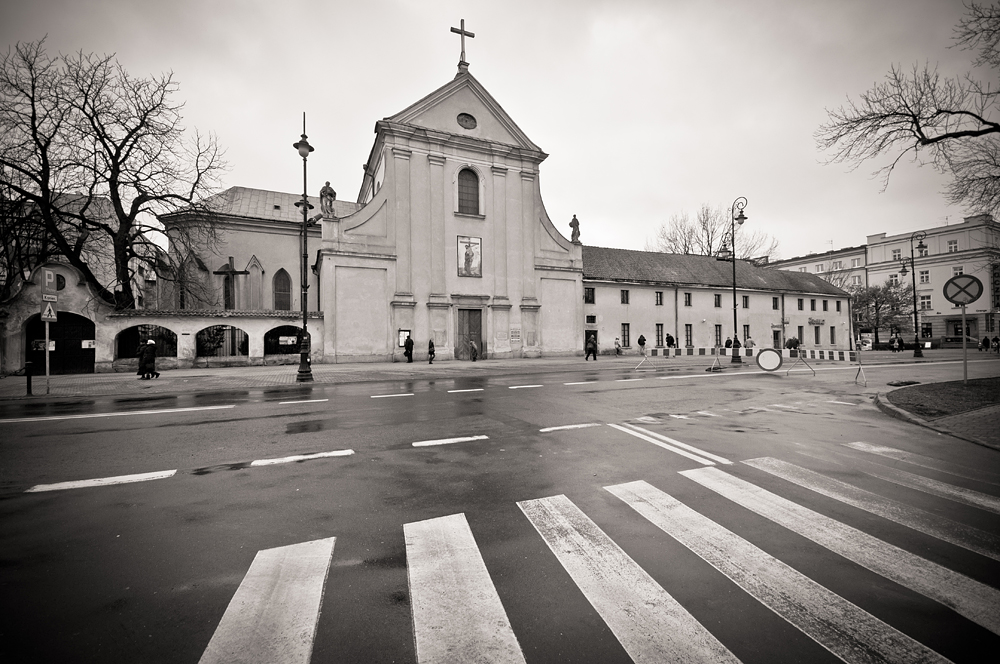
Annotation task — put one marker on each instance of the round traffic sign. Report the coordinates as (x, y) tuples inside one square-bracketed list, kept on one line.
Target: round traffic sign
[(769, 359), (963, 289)]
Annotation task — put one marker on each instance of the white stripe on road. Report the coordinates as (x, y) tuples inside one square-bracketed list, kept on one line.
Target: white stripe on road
[(457, 614), (389, 396), (968, 597), (676, 450), (116, 414), (781, 405), (582, 382), (935, 488), (847, 631), (705, 412), (915, 459), (680, 417), (285, 403), (475, 389), (273, 615), (959, 534), (301, 457), (843, 403), (448, 441), (690, 448), (522, 387), (628, 380), (650, 624), (569, 426), (103, 481)]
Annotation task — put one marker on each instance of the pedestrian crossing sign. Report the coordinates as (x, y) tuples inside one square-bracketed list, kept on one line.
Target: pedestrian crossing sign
[(48, 313)]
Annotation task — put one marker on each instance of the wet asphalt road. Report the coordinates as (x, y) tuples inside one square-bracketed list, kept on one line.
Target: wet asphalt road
[(143, 572)]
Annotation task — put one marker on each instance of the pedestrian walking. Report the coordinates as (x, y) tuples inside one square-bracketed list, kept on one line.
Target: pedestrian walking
[(642, 345), (408, 348), (618, 347), (430, 351), (749, 343), (670, 340), (147, 360), (986, 344), (474, 351), (591, 348), (996, 344)]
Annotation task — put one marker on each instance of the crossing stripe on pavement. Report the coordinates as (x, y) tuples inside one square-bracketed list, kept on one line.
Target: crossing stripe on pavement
[(648, 622), (273, 615), (285, 403), (457, 614), (102, 481), (301, 457), (847, 631), (935, 488), (522, 387), (691, 448), (676, 450), (569, 426), (915, 459), (115, 414), (944, 529), (970, 598), (389, 396), (448, 441)]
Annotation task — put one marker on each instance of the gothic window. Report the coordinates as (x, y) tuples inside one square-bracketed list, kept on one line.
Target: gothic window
[(468, 192), (282, 291)]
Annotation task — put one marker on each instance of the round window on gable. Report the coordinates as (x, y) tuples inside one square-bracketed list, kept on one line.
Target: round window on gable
[(466, 121)]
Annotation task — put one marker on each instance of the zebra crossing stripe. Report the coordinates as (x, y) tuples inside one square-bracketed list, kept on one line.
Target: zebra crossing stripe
[(915, 459), (102, 481), (691, 448), (944, 529), (457, 614), (273, 615), (968, 597), (935, 488), (650, 624), (847, 631), (676, 450)]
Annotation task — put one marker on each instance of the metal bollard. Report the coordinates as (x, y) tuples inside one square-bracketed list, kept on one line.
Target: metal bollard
[(27, 374)]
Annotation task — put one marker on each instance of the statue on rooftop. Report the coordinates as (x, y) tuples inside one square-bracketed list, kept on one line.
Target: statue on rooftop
[(575, 225), (326, 198)]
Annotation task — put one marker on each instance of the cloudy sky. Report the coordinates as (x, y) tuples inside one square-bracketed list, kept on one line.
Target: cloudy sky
[(646, 108)]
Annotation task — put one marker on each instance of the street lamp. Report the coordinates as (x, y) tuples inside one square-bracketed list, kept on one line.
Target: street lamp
[(726, 255), (919, 236), (305, 371)]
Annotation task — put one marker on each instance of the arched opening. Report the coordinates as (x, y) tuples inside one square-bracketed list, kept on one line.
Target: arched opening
[(130, 339), (282, 291), (222, 341), (468, 191), (71, 344), (282, 340)]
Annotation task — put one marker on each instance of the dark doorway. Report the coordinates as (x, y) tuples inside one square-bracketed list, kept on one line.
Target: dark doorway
[(68, 332), (776, 334), (470, 328)]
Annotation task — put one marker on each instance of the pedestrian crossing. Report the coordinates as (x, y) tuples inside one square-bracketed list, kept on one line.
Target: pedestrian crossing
[(792, 408), (459, 615)]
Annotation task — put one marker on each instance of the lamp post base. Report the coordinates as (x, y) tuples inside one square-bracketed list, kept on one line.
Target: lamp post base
[(736, 359), (305, 374), (917, 351)]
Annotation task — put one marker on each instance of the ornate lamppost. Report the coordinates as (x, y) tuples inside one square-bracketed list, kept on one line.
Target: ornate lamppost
[(919, 236), (726, 255), (305, 370)]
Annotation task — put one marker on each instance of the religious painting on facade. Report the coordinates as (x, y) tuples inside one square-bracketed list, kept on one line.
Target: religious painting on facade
[(470, 256)]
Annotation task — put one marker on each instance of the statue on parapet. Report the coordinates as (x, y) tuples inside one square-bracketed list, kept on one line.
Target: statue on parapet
[(575, 225), (326, 198)]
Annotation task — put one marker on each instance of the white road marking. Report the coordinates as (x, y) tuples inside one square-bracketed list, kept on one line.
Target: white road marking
[(521, 387), (474, 389), (650, 624), (847, 631), (457, 614), (691, 448), (676, 450), (301, 457), (680, 417), (705, 412), (647, 418), (968, 597), (959, 534), (628, 380), (781, 405), (116, 414), (582, 382), (103, 481), (389, 396), (448, 441), (843, 403), (935, 488), (273, 615), (915, 459), (284, 403), (569, 426)]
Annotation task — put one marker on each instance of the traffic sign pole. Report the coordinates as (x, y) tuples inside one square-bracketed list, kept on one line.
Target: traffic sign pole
[(965, 352), (46, 357), (963, 289)]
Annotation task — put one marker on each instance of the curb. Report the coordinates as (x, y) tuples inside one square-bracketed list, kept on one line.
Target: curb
[(882, 403)]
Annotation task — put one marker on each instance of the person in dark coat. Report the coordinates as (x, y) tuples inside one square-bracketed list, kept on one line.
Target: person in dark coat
[(670, 341), (408, 348), (147, 361), (430, 351), (474, 350), (986, 344), (729, 342), (996, 344), (591, 349)]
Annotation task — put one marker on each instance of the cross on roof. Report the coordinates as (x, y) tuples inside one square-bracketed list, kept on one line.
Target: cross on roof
[(461, 31)]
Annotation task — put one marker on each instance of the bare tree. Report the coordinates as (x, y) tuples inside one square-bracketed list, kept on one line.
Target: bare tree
[(708, 232), (883, 306), (95, 154), (947, 123)]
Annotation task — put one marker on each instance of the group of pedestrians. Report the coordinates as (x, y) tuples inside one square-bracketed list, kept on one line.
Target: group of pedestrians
[(408, 350), (735, 343), (986, 344)]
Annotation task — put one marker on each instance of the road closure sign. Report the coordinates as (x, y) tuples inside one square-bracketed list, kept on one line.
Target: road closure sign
[(963, 289)]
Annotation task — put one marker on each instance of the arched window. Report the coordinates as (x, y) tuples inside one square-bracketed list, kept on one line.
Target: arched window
[(229, 291), (468, 191), (282, 291)]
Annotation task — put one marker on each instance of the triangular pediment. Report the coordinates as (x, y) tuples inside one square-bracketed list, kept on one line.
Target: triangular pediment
[(465, 96)]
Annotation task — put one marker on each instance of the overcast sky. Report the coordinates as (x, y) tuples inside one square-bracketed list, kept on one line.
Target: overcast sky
[(646, 109)]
